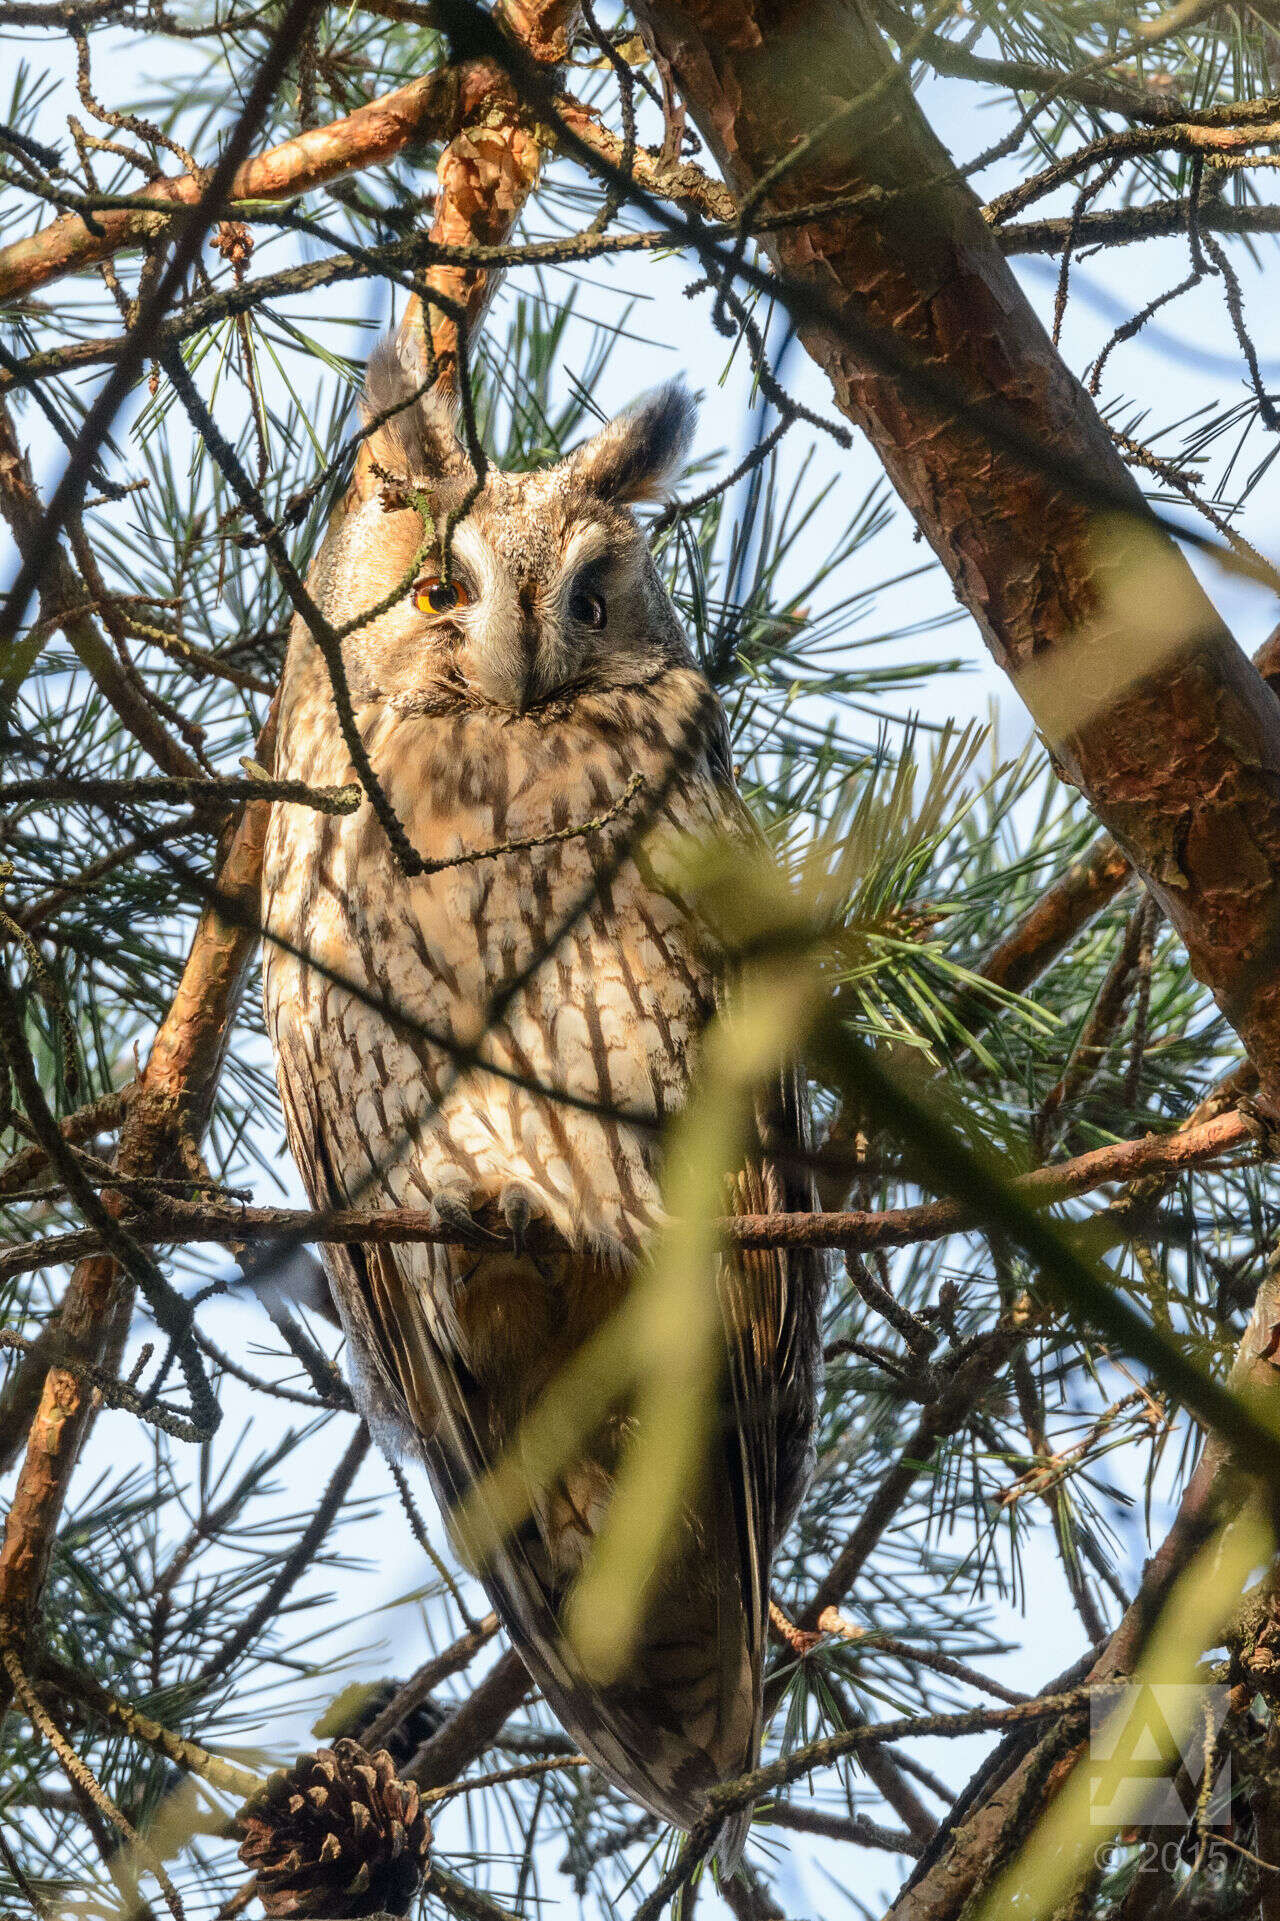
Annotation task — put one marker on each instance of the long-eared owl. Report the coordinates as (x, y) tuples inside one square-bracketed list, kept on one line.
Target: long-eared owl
[(514, 696)]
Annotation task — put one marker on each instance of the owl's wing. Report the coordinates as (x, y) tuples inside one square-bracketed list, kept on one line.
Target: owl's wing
[(368, 1291), (777, 1293), (771, 1302), (776, 1375)]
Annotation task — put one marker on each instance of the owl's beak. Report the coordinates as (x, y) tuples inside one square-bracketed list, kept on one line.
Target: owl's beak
[(529, 637), (501, 661)]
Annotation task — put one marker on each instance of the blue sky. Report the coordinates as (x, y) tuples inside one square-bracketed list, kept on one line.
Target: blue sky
[(1184, 362)]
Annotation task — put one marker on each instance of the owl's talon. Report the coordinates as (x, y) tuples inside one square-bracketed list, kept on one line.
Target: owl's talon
[(519, 1209), (517, 1212), (454, 1216)]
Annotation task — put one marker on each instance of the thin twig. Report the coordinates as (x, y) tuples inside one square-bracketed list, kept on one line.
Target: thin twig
[(295, 1564)]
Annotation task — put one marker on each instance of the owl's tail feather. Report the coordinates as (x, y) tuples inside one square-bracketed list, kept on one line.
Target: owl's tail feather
[(685, 1714), (730, 1842)]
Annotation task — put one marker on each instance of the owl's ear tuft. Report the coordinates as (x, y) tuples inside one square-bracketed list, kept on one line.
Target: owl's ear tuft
[(415, 437), (637, 456)]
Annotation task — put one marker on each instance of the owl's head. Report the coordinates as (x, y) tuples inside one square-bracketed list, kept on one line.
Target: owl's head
[(552, 591)]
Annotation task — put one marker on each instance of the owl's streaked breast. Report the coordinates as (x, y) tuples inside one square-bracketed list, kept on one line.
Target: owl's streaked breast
[(610, 1017)]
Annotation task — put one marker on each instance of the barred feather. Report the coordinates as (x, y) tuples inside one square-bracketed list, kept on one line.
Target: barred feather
[(450, 1349)]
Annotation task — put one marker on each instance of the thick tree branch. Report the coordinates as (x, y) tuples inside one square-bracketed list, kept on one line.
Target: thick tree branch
[(484, 179), (1180, 756), (431, 108), (426, 109), (175, 1094)]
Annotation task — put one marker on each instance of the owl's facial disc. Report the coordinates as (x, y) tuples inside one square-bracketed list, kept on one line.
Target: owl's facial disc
[(556, 604)]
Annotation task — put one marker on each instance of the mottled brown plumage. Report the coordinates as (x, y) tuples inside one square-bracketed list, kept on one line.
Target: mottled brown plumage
[(524, 712)]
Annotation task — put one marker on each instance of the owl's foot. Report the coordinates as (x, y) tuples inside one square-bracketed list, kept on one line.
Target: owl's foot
[(452, 1207), (519, 1209)]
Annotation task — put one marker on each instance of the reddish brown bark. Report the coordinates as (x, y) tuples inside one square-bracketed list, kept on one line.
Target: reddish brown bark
[(485, 176), (1050, 925), (430, 108), (426, 109), (1183, 766), (175, 1092)]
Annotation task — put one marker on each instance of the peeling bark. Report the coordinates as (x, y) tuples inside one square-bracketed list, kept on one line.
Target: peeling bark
[(427, 109), (485, 177)]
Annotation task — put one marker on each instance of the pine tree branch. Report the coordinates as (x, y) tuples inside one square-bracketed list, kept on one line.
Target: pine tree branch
[(206, 790), (1181, 747), (81, 1777), (69, 244), (950, 1872), (944, 1415), (472, 1727), (420, 1686), (1210, 143), (1064, 910), (81, 1688), (1124, 226), (100, 1116), (466, 1902), (63, 600), (148, 314), (503, 1777), (175, 1093), (187, 1223), (855, 1828), (295, 1563), (425, 110), (1090, 86), (48, 906), (484, 178)]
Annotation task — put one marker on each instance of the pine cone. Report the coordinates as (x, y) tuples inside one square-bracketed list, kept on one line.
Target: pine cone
[(336, 1835)]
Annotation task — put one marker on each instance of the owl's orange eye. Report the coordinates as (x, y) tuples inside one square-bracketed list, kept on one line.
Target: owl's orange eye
[(432, 596)]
